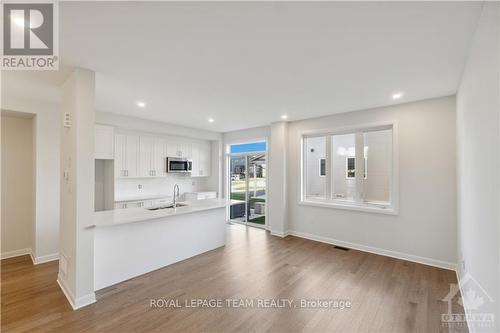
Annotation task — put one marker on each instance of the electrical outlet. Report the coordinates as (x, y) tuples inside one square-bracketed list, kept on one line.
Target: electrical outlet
[(67, 120), (139, 186), (463, 265)]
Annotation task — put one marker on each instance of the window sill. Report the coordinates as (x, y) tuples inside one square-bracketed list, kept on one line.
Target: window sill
[(368, 208)]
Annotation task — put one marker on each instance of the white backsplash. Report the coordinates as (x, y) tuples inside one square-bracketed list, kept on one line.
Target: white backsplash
[(136, 187)]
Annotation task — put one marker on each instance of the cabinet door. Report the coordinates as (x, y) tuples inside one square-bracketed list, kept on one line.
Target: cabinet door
[(195, 156), (159, 155), (120, 144), (131, 156), (205, 159), (104, 142), (186, 149), (146, 147), (171, 148)]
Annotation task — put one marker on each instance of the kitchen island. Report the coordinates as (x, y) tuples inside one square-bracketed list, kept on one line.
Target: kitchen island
[(131, 242)]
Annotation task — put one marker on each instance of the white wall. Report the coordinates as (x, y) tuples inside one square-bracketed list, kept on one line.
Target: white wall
[(76, 264), (478, 149), (315, 149), (247, 135), (425, 228), (150, 126), (47, 149), (276, 183), (17, 185)]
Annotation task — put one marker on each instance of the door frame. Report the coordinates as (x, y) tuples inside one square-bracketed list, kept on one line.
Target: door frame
[(227, 177)]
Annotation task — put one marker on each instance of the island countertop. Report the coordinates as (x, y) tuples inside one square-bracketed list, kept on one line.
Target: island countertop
[(131, 215)]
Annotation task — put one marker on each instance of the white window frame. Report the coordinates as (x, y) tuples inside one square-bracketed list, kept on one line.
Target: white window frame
[(357, 204)]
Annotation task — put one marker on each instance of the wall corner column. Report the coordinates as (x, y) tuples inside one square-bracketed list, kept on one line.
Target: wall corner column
[(277, 179), (76, 264)]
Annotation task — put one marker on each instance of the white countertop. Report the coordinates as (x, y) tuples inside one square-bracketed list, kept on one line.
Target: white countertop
[(123, 216)]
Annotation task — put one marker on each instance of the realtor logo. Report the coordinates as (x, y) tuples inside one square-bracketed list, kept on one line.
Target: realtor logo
[(29, 36), (473, 298)]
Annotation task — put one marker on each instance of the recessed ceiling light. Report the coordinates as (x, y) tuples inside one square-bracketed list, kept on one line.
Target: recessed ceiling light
[(397, 95), (284, 116), (141, 104), (211, 120)]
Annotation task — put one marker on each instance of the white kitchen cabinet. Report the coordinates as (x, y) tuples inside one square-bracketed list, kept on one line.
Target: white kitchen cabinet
[(103, 142), (205, 159), (201, 155), (126, 155), (146, 149), (192, 196), (152, 153), (144, 155), (159, 157), (178, 148)]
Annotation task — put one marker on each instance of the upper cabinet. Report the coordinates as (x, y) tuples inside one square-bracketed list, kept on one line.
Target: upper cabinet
[(201, 156), (104, 142), (145, 155), (152, 154), (178, 148), (126, 155)]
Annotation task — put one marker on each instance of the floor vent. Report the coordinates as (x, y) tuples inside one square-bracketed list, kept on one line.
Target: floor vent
[(341, 248)]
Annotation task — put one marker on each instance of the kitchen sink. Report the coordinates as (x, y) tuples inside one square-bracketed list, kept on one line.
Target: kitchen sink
[(171, 205)]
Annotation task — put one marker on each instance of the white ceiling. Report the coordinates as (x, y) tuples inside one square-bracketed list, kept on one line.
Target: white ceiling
[(246, 64)]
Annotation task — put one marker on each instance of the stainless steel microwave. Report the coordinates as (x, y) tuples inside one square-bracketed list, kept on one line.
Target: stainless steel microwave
[(179, 164)]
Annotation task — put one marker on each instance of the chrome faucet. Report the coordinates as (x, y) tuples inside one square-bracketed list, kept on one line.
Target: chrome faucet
[(176, 195)]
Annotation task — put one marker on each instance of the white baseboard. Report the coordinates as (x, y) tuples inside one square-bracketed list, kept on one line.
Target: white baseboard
[(15, 253), (375, 250), (279, 233), (464, 301), (75, 303), (45, 258)]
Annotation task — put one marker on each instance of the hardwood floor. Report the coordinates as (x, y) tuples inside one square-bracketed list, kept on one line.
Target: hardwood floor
[(387, 295)]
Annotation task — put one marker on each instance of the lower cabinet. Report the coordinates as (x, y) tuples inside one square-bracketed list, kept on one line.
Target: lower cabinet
[(141, 203), (192, 196)]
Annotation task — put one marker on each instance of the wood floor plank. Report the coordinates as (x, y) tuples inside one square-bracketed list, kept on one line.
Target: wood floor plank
[(387, 295)]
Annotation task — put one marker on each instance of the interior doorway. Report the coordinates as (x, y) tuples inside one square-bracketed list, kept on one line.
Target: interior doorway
[(247, 183)]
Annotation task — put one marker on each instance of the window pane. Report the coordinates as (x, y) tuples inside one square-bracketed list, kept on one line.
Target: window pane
[(322, 167), (314, 151), (343, 167), (248, 147), (378, 155)]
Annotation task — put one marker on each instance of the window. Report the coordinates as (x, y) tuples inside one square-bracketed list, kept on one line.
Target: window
[(340, 182), (322, 167), (350, 167)]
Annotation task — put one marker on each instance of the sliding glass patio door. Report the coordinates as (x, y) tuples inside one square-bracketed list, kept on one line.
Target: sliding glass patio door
[(248, 168), (256, 189), (238, 188)]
